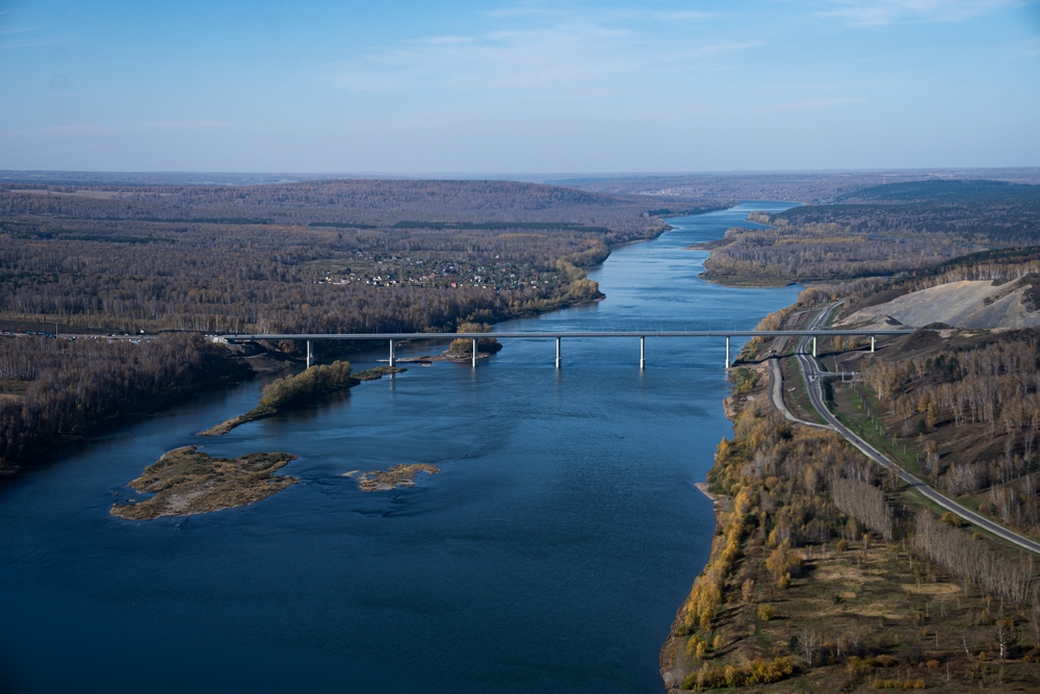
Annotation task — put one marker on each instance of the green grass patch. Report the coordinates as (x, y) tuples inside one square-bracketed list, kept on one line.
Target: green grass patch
[(797, 400), (856, 408)]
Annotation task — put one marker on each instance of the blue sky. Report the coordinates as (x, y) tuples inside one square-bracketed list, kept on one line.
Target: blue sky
[(508, 87)]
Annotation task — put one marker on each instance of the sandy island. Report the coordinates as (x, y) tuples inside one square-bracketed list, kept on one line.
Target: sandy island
[(397, 476), (185, 482)]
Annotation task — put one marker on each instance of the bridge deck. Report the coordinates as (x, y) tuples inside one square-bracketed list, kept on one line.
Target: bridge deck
[(551, 334)]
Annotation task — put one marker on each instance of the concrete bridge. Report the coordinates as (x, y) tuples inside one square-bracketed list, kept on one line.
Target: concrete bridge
[(392, 338)]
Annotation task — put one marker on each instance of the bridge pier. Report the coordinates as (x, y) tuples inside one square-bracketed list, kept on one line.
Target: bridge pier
[(393, 361), (310, 354), (557, 352), (727, 352), (814, 346), (473, 356), (642, 352), (871, 344)]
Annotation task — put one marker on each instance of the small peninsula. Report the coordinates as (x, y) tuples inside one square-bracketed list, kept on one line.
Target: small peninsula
[(185, 482), (301, 390)]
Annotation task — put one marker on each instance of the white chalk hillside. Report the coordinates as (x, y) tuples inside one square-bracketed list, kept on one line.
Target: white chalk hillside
[(965, 304)]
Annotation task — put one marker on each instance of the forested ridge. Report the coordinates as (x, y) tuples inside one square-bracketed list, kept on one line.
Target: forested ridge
[(970, 408), (810, 187), (881, 231)]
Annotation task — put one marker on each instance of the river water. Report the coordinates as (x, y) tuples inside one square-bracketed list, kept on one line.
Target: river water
[(549, 555)]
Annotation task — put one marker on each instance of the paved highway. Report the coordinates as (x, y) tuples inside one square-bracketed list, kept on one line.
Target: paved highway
[(811, 372), (777, 387)]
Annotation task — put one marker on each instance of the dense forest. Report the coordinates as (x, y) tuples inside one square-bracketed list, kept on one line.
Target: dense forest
[(57, 391), (331, 256), (884, 230), (970, 407), (335, 256)]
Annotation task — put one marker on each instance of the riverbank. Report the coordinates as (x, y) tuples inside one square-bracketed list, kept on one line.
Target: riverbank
[(816, 579)]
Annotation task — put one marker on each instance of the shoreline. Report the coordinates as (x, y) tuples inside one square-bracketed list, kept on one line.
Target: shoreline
[(797, 567), (670, 666), (702, 487)]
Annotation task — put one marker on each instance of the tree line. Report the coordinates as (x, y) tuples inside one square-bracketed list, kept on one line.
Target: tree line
[(55, 391)]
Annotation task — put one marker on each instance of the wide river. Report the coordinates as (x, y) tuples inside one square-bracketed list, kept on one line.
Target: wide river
[(549, 555)]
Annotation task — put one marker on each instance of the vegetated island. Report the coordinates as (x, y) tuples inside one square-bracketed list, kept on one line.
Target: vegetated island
[(460, 350), (185, 481), (302, 389), (385, 480)]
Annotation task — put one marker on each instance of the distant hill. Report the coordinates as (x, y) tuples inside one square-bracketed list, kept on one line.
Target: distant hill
[(944, 191), (357, 202), (813, 187)]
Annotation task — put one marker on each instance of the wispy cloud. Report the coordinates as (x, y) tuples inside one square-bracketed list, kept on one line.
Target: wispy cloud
[(446, 40), (556, 49), (27, 37), (539, 11), (815, 104), (878, 13), (110, 128)]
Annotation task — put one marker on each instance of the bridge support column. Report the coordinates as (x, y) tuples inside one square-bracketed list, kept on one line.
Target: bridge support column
[(557, 352), (871, 344), (473, 356), (814, 346), (310, 354), (393, 360), (727, 352), (642, 352)]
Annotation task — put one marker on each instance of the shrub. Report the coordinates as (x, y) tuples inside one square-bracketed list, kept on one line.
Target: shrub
[(755, 672), (899, 684), (291, 390)]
